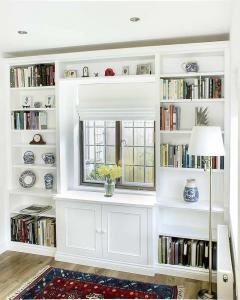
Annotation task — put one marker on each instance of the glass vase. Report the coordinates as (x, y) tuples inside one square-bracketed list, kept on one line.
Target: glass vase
[(109, 187)]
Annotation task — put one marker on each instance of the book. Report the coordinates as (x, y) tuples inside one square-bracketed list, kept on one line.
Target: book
[(36, 209), (32, 76), (186, 252)]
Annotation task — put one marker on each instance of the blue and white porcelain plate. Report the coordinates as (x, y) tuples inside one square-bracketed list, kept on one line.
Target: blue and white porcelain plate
[(27, 179)]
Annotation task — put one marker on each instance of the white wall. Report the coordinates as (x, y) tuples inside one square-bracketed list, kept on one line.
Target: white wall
[(3, 161), (235, 128)]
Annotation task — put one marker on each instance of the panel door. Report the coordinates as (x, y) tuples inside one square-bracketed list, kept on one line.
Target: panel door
[(79, 229), (125, 234)]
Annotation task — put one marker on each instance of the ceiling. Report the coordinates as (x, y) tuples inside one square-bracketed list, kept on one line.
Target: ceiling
[(57, 24)]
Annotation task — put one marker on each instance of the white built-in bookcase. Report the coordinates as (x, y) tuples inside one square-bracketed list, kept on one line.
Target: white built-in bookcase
[(172, 216)]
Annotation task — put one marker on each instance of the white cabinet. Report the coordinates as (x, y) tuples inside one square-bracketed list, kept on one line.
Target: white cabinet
[(79, 229), (116, 233), (125, 233)]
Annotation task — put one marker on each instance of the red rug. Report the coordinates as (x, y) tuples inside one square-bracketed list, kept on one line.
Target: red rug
[(54, 283)]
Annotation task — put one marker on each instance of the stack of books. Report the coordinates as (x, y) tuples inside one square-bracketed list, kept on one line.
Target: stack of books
[(33, 76), (29, 120), (170, 118), (186, 252), (192, 88), (36, 209), (177, 156), (33, 230)]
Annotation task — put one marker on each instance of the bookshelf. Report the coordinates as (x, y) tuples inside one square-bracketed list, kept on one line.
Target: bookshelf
[(165, 210), (178, 219), (21, 134)]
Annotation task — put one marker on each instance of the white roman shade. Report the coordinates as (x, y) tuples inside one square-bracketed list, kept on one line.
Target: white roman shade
[(111, 100)]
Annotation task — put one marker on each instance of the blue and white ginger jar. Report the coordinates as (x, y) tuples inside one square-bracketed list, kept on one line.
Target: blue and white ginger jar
[(191, 193)]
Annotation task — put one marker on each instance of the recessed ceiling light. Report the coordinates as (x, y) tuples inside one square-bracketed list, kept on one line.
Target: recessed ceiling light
[(22, 32), (134, 19)]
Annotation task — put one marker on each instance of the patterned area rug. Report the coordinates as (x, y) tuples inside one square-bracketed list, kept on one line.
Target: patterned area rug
[(54, 283)]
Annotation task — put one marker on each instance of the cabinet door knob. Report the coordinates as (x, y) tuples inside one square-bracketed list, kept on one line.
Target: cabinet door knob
[(104, 231)]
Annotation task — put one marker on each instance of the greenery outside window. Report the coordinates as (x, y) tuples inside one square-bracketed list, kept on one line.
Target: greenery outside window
[(128, 143)]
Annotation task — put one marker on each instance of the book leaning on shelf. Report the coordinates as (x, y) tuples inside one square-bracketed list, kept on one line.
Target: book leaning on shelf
[(170, 118), (192, 88), (29, 120), (33, 230), (176, 156), (185, 252), (32, 76)]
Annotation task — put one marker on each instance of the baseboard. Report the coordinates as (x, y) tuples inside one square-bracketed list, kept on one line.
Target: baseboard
[(32, 249), (3, 247), (185, 272), (100, 263)]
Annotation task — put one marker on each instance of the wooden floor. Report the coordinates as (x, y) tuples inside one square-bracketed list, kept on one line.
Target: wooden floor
[(16, 268)]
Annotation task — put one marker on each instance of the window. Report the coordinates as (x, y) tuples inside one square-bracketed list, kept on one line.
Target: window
[(128, 143)]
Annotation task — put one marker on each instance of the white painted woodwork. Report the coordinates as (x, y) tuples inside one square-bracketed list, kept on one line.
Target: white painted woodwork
[(125, 233), (79, 231)]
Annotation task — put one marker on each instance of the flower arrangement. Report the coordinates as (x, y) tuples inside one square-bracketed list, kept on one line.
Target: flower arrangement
[(110, 173)]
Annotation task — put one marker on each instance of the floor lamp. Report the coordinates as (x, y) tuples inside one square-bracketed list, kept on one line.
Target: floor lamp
[(206, 141)]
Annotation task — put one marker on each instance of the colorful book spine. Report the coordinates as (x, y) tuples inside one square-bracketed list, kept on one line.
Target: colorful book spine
[(177, 156), (32, 76), (192, 88), (170, 117)]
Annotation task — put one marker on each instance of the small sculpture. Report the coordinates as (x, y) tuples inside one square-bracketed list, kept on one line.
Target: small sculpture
[(96, 74), (201, 116), (109, 72), (190, 67), (85, 72)]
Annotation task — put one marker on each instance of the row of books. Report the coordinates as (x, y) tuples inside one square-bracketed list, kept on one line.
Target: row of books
[(29, 120), (170, 117), (33, 76), (33, 230), (177, 156), (192, 88), (178, 251)]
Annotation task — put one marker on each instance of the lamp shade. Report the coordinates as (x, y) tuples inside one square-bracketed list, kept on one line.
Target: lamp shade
[(206, 141)]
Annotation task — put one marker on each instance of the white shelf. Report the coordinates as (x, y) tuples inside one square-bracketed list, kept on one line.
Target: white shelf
[(33, 249), (185, 271), (187, 101), (190, 170), (196, 206), (34, 130), (34, 109), (51, 213), (191, 74), (186, 131), (33, 166), (35, 192), (113, 79), (34, 146), (33, 88), (187, 232)]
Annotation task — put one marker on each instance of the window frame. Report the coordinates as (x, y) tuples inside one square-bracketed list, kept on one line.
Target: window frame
[(118, 138)]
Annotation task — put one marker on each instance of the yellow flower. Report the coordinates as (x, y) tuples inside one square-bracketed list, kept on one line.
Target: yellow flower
[(115, 172), (103, 171)]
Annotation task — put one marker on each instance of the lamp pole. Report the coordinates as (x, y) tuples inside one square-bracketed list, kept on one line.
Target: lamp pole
[(204, 293)]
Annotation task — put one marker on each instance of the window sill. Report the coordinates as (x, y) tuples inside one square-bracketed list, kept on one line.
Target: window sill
[(123, 197)]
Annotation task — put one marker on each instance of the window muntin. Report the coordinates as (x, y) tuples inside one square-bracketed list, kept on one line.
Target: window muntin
[(130, 143)]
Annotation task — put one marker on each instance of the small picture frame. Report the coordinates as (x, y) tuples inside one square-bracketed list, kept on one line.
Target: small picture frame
[(144, 69), (70, 74), (50, 101), (27, 101), (125, 70)]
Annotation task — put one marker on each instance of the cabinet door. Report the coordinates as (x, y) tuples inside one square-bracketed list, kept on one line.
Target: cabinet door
[(125, 233), (79, 228)]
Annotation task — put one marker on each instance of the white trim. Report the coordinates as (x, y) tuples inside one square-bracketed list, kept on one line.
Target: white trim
[(186, 272), (33, 249), (106, 264)]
